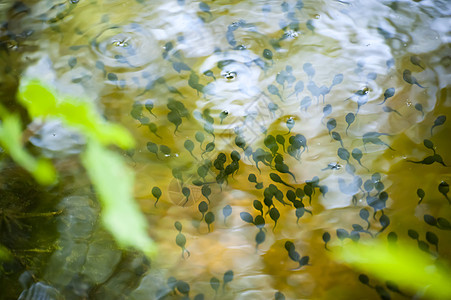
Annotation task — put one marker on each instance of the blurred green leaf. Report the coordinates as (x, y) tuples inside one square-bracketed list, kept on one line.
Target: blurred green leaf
[(407, 266), (114, 183), (5, 254), (81, 114), (111, 178), (10, 139)]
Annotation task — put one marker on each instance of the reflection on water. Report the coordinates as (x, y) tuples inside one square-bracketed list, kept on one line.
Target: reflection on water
[(268, 133)]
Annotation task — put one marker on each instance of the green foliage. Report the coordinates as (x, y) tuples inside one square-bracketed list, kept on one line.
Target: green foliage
[(5, 254), (10, 140), (409, 267), (114, 183), (111, 178), (42, 102)]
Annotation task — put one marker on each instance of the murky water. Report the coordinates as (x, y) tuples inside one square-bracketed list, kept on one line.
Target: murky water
[(274, 131)]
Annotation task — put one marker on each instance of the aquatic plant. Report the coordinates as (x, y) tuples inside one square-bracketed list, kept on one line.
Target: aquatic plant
[(111, 178), (409, 267), (10, 141)]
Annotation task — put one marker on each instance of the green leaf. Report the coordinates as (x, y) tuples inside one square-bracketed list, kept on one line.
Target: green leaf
[(41, 101), (111, 178), (407, 266), (10, 140), (5, 254), (113, 182)]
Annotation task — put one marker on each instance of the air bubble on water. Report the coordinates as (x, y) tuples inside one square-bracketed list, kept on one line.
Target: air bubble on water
[(120, 43), (316, 16), (291, 34), (236, 24), (74, 1), (229, 75), (408, 102), (334, 166)]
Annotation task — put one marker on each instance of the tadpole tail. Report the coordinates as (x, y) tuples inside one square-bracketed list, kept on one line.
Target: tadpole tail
[(446, 196), (433, 126), (364, 166), (187, 252), (193, 155), (383, 101), (292, 175), (286, 184), (419, 85), (369, 233), (256, 164), (415, 162), (389, 147), (297, 269)]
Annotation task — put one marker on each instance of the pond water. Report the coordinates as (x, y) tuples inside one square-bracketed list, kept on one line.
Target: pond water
[(268, 134)]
